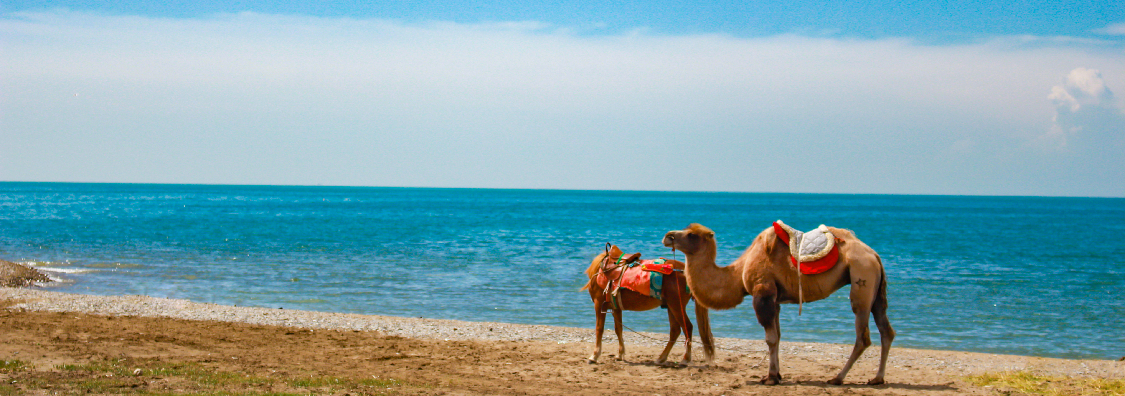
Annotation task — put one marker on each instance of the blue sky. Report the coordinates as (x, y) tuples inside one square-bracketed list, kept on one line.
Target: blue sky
[(930, 20), (993, 98)]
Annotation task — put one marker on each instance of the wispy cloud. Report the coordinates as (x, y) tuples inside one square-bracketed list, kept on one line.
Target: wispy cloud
[(252, 98), (1117, 29)]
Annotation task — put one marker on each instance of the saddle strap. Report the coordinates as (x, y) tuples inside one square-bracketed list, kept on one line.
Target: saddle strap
[(794, 238)]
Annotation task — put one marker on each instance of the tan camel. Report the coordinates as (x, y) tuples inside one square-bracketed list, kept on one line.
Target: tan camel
[(765, 272), (675, 298)]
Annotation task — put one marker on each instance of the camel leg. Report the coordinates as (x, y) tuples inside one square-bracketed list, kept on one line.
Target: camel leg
[(677, 320), (863, 297), (673, 335), (687, 335), (617, 329), (769, 311), (703, 320), (680, 307), (599, 328), (886, 332)]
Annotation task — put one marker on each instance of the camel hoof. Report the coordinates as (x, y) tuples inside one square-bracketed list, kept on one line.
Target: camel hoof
[(771, 380), (591, 360), (876, 381), (835, 381)]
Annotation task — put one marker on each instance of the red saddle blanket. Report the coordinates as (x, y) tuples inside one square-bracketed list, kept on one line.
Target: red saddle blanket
[(646, 278), (810, 267)]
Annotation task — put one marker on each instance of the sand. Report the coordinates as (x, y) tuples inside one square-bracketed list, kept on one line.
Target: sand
[(47, 329)]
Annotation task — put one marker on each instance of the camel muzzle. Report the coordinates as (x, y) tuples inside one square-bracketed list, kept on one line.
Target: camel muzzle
[(669, 239)]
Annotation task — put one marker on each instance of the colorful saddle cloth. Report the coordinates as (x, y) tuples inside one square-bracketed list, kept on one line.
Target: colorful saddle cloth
[(817, 248), (645, 277)]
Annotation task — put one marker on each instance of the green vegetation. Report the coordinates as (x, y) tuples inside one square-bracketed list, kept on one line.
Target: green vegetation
[(1026, 383), (152, 377), (7, 366), (335, 382)]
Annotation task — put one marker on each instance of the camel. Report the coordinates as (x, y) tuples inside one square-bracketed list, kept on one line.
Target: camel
[(675, 298), (764, 271)]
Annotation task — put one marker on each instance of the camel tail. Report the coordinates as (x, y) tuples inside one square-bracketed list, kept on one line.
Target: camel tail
[(593, 270), (880, 304)]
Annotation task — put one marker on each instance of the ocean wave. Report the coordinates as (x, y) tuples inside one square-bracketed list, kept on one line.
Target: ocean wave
[(57, 267), (68, 271)]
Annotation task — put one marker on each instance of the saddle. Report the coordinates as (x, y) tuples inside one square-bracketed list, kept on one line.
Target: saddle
[(812, 252), (628, 271), (615, 260)]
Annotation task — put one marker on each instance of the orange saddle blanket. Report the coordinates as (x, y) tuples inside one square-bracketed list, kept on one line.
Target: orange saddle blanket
[(647, 277)]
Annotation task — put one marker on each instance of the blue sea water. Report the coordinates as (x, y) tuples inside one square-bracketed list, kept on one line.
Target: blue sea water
[(1016, 275)]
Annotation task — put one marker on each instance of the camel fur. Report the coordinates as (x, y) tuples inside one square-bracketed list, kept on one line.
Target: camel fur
[(764, 272)]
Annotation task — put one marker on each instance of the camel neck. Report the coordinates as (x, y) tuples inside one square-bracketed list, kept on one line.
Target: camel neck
[(716, 287)]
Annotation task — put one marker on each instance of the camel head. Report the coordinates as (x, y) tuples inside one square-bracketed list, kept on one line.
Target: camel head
[(690, 240)]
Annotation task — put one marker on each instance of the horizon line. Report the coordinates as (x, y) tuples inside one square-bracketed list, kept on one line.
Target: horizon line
[(557, 189)]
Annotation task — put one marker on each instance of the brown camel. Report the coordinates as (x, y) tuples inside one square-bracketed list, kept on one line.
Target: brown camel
[(765, 272), (675, 298)]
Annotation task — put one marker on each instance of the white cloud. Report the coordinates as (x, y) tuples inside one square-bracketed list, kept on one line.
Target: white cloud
[(1084, 107)]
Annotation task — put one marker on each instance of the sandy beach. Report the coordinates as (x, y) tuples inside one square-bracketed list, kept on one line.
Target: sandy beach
[(45, 330)]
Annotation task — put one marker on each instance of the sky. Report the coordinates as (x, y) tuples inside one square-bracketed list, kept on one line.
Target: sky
[(957, 98)]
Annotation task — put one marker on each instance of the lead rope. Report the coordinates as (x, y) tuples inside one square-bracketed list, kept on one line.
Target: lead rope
[(800, 288), (746, 352)]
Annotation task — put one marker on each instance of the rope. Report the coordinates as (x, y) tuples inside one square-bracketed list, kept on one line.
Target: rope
[(696, 342)]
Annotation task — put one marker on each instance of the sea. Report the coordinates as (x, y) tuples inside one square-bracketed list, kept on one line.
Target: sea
[(1038, 276)]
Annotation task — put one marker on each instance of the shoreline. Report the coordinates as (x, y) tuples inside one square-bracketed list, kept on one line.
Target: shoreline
[(638, 345)]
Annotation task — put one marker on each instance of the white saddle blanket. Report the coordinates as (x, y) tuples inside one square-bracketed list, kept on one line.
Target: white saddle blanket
[(809, 246)]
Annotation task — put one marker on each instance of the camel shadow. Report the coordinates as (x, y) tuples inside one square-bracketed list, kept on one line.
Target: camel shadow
[(653, 363), (907, 387)]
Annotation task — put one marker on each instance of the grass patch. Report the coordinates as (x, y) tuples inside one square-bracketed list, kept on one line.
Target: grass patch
[(9, 390), (121, 376), (13, 365), (1027, 383), (191, 371), (337, 382)]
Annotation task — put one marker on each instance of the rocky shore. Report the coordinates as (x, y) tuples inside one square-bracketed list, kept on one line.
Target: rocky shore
[(18, 275)]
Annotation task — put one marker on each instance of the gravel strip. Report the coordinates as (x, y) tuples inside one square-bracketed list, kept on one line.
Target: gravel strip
[(948, 362)]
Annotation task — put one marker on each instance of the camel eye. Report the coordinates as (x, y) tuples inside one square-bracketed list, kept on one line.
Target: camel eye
[(692, 237)]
